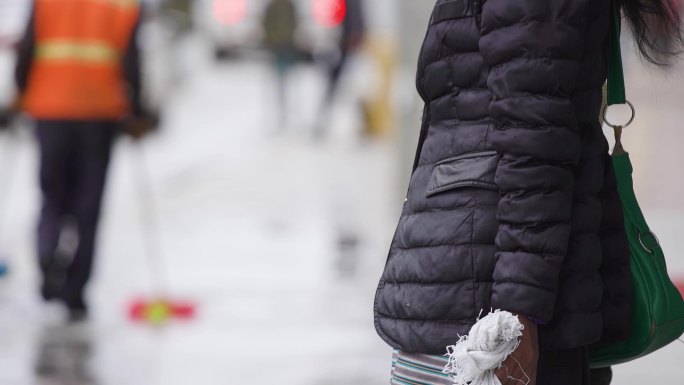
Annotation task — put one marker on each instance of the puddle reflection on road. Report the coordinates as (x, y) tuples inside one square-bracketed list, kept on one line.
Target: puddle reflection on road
[(64, 356)]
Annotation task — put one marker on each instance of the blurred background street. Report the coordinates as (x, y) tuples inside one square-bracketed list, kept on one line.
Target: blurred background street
[(274, 210)]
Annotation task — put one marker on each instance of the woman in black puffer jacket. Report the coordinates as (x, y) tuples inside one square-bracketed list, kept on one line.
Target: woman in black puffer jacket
[(512, 203)]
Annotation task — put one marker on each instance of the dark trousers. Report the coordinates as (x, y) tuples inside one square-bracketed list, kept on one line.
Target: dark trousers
[(570, 367), (74, 158)]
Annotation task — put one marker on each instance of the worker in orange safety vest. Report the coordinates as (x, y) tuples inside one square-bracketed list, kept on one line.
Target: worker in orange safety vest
[(78, 75)]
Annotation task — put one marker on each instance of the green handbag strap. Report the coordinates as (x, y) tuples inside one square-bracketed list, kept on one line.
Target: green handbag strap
[(616, 95), (616, 75), (616, 78)]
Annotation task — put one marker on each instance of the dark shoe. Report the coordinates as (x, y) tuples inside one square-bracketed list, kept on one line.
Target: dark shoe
[(48, 291), (78, 310), (53, 282)]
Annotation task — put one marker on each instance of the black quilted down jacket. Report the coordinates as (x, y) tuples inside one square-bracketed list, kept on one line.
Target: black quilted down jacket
[(512, 203)]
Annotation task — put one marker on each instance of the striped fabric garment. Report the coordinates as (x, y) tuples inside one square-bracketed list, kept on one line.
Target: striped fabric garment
[(418, 369)]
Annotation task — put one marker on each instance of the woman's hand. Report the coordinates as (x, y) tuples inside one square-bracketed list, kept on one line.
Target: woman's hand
[(521, 366)]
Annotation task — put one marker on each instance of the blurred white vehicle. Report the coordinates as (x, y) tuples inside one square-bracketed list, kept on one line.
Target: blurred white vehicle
[(234, 26)]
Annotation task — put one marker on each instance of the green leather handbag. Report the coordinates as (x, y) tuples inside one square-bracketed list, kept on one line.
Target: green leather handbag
[(658, 307)]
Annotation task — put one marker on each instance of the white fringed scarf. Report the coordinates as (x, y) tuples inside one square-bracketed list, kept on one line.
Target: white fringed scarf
[(475, 357)]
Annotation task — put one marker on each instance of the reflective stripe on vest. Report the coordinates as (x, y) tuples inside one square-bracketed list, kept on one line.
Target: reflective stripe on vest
[(123, 3), (92, 52)]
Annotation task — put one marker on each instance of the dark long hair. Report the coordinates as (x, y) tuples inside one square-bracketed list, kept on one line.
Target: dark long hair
[(656, 27)]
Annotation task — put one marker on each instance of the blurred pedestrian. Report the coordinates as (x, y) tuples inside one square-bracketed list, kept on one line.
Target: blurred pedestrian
[(78, 74), (352, 34), (280, 22), (513, 200)]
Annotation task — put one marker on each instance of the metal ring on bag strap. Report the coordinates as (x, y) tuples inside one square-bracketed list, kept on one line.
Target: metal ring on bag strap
[(631, 119), (641, 241)]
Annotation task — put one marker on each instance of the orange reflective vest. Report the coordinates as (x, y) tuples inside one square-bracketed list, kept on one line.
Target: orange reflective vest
[(77, 67)]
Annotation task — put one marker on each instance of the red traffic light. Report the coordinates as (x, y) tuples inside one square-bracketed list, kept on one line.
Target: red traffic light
[(230, 11), (329, 13)]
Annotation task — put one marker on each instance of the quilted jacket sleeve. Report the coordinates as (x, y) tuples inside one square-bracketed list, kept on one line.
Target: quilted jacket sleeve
[(533, 49)]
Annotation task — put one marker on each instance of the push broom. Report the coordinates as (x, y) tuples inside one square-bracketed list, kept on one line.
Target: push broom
[(160, 308)]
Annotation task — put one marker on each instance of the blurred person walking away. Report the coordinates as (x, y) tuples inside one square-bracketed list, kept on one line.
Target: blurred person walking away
[(352, 34), (280, 22), (513, 200), (78, 74)]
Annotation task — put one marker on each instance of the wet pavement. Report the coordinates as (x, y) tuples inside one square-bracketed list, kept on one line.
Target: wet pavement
[(279, 239)]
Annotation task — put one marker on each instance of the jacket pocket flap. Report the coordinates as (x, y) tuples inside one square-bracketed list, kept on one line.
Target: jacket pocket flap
[(475, 169)]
